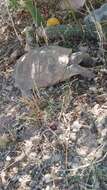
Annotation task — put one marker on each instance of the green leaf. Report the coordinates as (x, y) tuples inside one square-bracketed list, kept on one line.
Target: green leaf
[(34, 11), (13, 4)]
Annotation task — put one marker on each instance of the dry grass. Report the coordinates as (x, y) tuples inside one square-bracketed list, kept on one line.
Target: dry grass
[(61, 153)]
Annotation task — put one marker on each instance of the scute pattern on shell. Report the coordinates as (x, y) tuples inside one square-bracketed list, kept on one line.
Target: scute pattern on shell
[(46, 66)]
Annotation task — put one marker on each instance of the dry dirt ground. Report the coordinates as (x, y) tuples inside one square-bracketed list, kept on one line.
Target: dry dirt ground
[(55, 142)]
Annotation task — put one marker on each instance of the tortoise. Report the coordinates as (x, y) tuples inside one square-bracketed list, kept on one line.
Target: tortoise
[(46, 66)]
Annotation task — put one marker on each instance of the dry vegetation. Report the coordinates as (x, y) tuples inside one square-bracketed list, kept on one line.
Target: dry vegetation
[(58, 139)]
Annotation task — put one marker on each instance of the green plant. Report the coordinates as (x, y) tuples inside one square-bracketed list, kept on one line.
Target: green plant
[(13, 4), (29, 6)]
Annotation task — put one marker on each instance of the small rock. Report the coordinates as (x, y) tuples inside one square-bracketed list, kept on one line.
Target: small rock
[(104, 133), (53, 125), (47, 178), (76, 126), (75, 4), (8, 158), (73, 136), (48, 188)]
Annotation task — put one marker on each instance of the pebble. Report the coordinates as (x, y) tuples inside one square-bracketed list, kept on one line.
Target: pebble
[(8, 158), (47, 178)]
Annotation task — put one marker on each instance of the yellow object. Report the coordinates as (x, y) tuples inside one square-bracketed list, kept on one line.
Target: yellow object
[(53, 22)]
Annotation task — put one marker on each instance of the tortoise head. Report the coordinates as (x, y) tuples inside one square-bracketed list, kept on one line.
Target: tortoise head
[(78, 57)]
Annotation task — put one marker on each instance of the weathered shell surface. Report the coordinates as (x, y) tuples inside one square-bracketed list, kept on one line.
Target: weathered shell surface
[(46, 66), (42, 66)]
